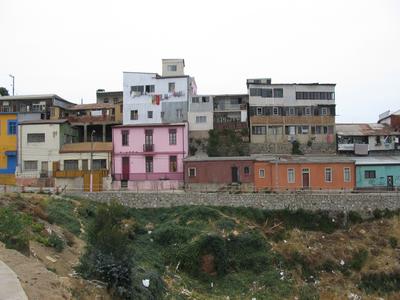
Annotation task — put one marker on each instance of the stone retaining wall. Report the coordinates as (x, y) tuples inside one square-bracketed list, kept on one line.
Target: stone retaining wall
[(308, 201)]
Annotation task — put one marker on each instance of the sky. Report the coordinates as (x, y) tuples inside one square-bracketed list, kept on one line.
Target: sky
[(74, 47)]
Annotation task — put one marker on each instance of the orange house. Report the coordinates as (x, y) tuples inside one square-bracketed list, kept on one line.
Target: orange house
[(290, 173)]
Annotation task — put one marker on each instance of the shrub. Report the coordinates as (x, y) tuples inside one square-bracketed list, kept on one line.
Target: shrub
[(56, 242), (199, 213), (14, 230), (393, 242), (225, 224), (380, 282), (61, 212), (355, 217), (296, 148), (359, 259), (308, 292), (171, 234)]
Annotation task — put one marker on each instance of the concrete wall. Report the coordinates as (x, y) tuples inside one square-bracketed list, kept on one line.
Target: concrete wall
[(381, 172), (8, 142)]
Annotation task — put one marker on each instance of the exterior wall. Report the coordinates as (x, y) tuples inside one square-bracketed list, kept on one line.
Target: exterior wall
[(228, 115), (201, 109), (144, 103), (380, 181), (180, 66), (276, 176), (214, 175), (8, 149), (162, 150)]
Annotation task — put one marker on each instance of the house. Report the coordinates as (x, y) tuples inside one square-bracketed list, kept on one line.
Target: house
[(230, 111), (47, 106), (364, 139), (291, 173), (8, 147), (390, 118), (149, 156), (150, 98), (200, 116), (103, 96), (378, 172), (219, 173), (281, 114)]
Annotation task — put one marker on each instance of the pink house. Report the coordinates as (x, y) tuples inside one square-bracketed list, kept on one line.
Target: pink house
[(149, 157)]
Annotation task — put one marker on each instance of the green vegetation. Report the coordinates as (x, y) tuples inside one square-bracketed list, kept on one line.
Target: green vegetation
[(61, 212), (14, 229), (381, 282), (227, 142)]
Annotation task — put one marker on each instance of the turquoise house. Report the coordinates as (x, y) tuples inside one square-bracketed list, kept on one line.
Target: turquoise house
[(378, 172)]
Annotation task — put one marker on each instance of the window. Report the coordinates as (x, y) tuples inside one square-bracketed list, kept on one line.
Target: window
[(150, 114), (246, 170), (137, 90), (292, 111), (172, 136), (370, 174), (274, 130), (171, 87), (291, 176), (201, 119), (173, 164), (149, 88), (192, 172), (328, 175), (259, 130), (85, 164), (303, 129), (148, 137), (35, 137), (71, 164), (315, 95), (134, 115), (275, 111), (266, 93), (278, 93), (99, 164), (377, 140), (307, 111), (324, 111), (290, 130), (125, 137), (179, 113), (149, 164), (205, 99), (172, 68), (259, 111), (105, 100), (346, 175), (261, 173), (30, 165), (195, 100), (12, 127)]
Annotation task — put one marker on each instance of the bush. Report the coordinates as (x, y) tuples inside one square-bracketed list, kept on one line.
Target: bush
[(61, 212), (56, 242), (380, 282), (14, 230), (359, 259), (225, 224), (355, 217), (393, 242), (172, 234), (296, 148), (308, 292), (199, 213)]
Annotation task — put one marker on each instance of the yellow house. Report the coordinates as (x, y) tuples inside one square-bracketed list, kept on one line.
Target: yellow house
[(8, 147)]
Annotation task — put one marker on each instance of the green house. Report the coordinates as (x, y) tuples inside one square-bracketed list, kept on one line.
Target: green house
[(378, 172)]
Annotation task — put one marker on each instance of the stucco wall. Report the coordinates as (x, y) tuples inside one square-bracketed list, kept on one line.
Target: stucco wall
[(381, 176)]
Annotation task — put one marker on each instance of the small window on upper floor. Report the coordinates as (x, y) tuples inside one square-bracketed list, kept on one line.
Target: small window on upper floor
[(171, 87), (35, 137), (195, 100), (278, 93), (259, 111), (201, 119), (246, 170), (149, 88), (150, 114), (12, 127), (275, 111), (134, 115), (105, 100), (261, 173), (192, 172), (324, 111), (172, 68), (292, 111)]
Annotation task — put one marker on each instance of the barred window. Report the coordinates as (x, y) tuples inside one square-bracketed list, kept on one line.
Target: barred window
[(71, 165), (30, 165), (36, 137)]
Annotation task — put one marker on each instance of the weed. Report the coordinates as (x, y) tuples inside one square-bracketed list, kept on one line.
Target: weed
[(225, 224), (380, 282), (393, 242), (359, 259), (354, 217), (56, 242), (61, 212), (308, 292), (14, 229), (200, 213), (172, 234)]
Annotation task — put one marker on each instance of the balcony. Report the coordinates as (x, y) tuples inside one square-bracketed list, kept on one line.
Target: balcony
[(148, 147), (91, 119), (221, 106), (230, 125)]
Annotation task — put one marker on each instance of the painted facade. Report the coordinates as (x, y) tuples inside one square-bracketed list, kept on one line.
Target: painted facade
[(297, 173), (283, 113), (230, 111), (8, 147), (200, 116), (149, 157), (219, 173), (378, 172)]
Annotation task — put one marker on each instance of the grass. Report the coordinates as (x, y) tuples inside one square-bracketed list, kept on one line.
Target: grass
[(61, 212)]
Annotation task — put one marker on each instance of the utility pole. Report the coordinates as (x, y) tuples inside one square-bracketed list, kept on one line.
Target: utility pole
[(13, 79), (91, 160)]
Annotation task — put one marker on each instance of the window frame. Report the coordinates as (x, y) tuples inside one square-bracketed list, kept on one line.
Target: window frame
[(261, 170), (370, 173), (172, 136), (31, 161), (330, 174), (190, 174), (345, 179), (125, 135), (134, 112), (291, 172), (12, 124), (35, 134), (172, 165)]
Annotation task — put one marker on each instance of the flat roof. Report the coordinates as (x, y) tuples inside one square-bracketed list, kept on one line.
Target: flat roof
[(219, 158), (86, 147), (364, 129), (377, 160), (36, 122), (34, 97), (150, 125), (92, 106)]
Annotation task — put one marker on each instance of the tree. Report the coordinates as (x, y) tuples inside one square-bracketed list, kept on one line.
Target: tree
[(4, 92)]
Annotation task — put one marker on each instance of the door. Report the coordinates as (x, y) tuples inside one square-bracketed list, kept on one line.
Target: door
[(44, 169), (306, 178), (235, 175), (389, 181), (125, 168)]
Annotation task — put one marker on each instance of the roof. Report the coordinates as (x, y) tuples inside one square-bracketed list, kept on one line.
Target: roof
[(364, 129), (200, 158), (150, 125), (109, 92), (86, 147), (35, 122), (272, 84), (92, 106), (377, 160), (34, 97)]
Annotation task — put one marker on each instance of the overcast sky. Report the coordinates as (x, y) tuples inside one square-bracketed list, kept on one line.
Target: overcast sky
[(71, 48)]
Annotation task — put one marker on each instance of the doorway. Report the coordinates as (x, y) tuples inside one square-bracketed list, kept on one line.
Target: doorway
[(125, 168), (389, 182), (306, 178), (235, 175)]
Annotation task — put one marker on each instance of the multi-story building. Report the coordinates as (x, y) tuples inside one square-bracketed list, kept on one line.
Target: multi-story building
[(103, 96), (200, 116), (283, 113), (364, 139), (230, 111), (8, 147), (149, 157), (150, 98), (46, 106)]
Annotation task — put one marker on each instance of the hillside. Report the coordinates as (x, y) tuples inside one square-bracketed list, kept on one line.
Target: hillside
[(208, 253)]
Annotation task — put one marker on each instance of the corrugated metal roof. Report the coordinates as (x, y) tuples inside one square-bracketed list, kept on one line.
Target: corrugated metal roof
[(377, 160), (32, 122), (92, 106), (34, 97), (86, 147), (364, 129)]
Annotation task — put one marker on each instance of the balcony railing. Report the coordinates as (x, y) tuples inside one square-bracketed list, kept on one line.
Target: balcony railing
[(148, 147), (77, 173), (228, 107), (91, 119), (230, 125)]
